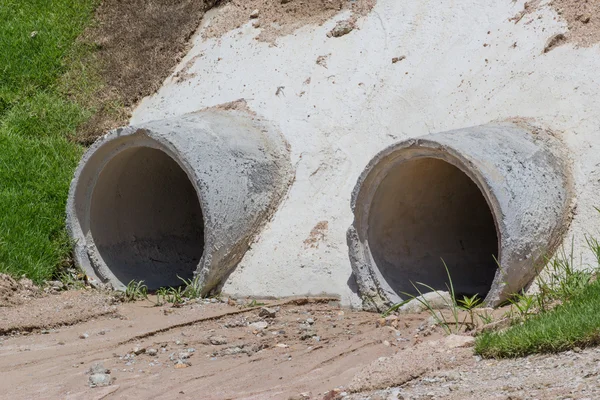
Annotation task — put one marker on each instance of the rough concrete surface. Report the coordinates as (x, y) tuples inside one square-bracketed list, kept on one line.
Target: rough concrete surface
[(461, 65), (176, 198), (491, 201)]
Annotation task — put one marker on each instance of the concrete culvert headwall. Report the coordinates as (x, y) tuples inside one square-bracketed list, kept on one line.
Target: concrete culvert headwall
[(176, 198), (491, 201)]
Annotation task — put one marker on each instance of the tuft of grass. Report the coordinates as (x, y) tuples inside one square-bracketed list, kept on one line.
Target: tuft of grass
[(136, 290), (571, 324), (37, 117), (560, 316)]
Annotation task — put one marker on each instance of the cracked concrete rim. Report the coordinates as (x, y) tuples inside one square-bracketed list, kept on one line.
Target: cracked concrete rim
[(177, 198), (477, 198)]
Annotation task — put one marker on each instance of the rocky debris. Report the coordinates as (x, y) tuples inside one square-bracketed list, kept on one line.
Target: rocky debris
[(396, 59), (390, 320), (259, 325), (342, 28), (152, 352), (322, 60), (436, 300), (84, 336), (310, 321), (14, 292), (99, 376), (456, 341), (254, 14), (217, 340), (236, 323), (137, 350), (266, 312)]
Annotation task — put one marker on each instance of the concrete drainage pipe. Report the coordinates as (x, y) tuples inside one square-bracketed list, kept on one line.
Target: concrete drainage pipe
[(174, 198), (496, 194)]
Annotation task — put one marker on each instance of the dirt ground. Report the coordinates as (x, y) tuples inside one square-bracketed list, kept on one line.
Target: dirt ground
[(296, 349), (138, 44), (582, 18)]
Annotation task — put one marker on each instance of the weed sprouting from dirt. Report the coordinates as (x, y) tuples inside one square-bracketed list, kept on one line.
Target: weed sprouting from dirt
[(136, 290)]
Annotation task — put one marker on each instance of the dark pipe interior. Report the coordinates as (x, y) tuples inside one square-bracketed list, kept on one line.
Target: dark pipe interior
[(146, 219), (425, 210)]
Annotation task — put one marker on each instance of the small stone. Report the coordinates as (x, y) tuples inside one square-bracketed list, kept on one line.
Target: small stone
[(98, 368), (386, 343), (84, 336), (436, 300), (310, 321), (396, 59), (266, 312), (45, 331), (455, 341), (256, 24), (137, 350), (341, 28), (254, 14), (317, 338), (217, 340), (97, 380), (282, 345), (182, 364), (259, 326), (152, 352)]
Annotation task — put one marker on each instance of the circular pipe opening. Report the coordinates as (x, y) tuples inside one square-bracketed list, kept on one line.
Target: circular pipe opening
[(146, 220), (425, 210)]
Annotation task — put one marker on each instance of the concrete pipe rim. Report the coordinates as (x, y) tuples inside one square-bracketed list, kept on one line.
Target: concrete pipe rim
[(387, 161), (98, 157)]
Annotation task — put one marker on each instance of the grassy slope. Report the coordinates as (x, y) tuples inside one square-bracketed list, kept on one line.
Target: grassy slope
[(36, 120), (575, 323)]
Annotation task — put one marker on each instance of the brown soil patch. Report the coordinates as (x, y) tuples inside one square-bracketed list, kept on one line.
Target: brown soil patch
[(14, 292), (280, 17), (205, 350), (48, 311), (582, 17), (139, 42)]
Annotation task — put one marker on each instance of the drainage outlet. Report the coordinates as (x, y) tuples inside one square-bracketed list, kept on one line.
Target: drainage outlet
[(175, 199), (488, 203)]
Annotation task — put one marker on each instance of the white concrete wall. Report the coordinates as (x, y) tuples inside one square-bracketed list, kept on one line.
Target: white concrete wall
[(362, 102)]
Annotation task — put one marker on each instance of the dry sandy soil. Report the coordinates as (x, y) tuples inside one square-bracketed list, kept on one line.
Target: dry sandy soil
[(307, 349)]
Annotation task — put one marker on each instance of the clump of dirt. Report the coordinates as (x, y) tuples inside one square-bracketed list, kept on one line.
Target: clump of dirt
[(278, 18), (14, 292), (582, 17), (138, 43)]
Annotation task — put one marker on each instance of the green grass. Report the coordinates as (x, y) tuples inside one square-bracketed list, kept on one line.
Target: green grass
[(574, 323), (37, 118)]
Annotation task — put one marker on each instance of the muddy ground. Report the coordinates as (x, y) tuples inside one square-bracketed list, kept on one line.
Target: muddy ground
[(297, 349)]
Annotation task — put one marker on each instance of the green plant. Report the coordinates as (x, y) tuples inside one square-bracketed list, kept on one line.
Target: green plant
[(192, 287), (175, 296), (486, 318), (524, 304), (468, 304), (453, 325), (136, 290), (254, 303), (575, 322)]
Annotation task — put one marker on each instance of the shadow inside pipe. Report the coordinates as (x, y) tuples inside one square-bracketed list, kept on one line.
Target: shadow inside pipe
[(146, 219), (425, 210)]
